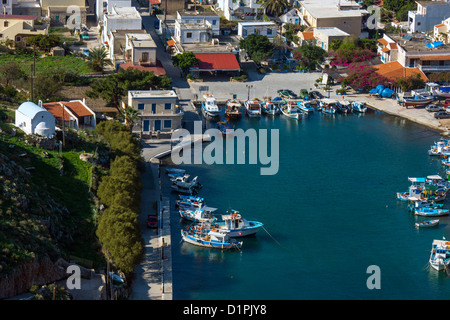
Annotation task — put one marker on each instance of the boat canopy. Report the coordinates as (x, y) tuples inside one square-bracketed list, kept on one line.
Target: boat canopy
[(417, 179), (435, 177)]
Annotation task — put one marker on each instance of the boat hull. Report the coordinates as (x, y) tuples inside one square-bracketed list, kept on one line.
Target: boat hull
[(209, 244), (247, 231), (427, 224)]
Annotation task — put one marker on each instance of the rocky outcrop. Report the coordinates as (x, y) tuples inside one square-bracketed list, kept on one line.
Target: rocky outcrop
[(27, 274)]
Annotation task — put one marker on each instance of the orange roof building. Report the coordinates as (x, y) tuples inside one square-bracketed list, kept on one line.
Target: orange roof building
[(75, 113), (395, 71)]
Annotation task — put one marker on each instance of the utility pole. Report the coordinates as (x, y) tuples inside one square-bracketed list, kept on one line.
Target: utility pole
[(165, 27), (63, 127)]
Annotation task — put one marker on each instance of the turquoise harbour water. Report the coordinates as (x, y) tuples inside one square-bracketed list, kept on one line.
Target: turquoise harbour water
[(329, 213)]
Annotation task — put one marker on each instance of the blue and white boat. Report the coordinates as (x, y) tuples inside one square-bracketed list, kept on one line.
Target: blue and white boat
[(305, 106), (359, 107), (253, 108), (328, 105), (198, 215), (175, 170), (270, 109), (209, 106), (238, 226), (440, 255), (423, 203), (430, 212), (343, 106), (190, 202), (291, 110), (205, 236)]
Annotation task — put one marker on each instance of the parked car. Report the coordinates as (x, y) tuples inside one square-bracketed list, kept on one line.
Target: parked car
[(152, 221), (304, 94), (442, 115), (316, 95), (286, 93), (433, 108)]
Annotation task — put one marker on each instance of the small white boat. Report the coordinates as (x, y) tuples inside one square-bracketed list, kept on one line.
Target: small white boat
[(305, 106), (427, 224), (199, 215), (328, 105), (204, 236), (430, 212), (359, 107), (290, 110), (440, 255), (270, 109), (189, 202), (232, 109), (253, 108), (209, 106), (238, 226)]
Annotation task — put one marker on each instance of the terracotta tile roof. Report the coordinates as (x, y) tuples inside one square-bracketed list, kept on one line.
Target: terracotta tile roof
[(394, 71), (439, 25), (385, 49), (57, 111), (434, 58), (383, 42), (217, 61), (153, 2), (17, 16), (157, 70), (78, 109), (308, 35), (393, 45)]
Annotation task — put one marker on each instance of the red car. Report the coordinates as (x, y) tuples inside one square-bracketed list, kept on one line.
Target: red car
[(152, 221)]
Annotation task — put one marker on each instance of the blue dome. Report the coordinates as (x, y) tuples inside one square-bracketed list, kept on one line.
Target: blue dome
[(30, 109)]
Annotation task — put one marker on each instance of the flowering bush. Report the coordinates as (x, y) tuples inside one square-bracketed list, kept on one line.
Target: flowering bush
[(363, 77), (345, 57)]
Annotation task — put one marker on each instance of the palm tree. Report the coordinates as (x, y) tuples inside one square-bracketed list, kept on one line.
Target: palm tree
[(274, 7), (129, 115), (98, 59)]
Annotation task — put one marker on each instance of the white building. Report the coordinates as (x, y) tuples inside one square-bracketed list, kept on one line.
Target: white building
[(247, 10), (210, 18), (6, 6), (140, 49), (34, 119), (121, 18), (268, 29), (158, 109), (427, 15), (105, 6), (292, 16), (325, 36)]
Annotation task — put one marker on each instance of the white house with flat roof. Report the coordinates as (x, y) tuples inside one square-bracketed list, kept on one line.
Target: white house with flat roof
[(242, 10), (158, 110), (121, 18), (103, 7), (343, 14), (324, 36), (268, 29), (427, 15), (140, 49)]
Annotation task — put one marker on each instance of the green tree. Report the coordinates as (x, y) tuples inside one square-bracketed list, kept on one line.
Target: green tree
[(10, 71), (115, 86), (129, 116), (274, 7), (258, 47), (310, 56), (184, 61), (98, 59), (45, 42), (45, 86)]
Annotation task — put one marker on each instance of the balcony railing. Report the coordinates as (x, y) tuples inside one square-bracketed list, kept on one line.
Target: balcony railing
[(433, 68)]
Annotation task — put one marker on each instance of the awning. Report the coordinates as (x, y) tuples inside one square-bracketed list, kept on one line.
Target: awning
[(171, 43), (217, 62)]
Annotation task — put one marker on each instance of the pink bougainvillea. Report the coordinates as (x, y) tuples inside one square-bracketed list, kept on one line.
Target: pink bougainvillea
[(360, 76), (345, 57)]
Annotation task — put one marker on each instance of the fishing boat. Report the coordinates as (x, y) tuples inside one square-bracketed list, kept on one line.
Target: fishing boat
[(174, 175), (204, 236), (423, 188), (328, 105), (224, 128), (270, 109), (423, 203), (440, 148), (185, 186), (198, 215), (189, 202), (290, 110), (442, 92), (253, 108), (232, 109), (305, 106), (343, 106), (430, 212), (440, 255), (175, 170), (416, 101), (209, 106), (427, 224), (238, 226), (359, 107)]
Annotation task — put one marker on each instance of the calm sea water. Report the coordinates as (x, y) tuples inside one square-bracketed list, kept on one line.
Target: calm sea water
[(329, 213)]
